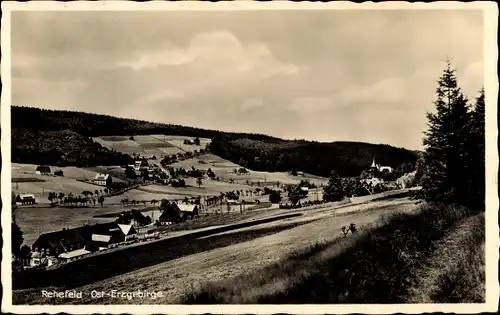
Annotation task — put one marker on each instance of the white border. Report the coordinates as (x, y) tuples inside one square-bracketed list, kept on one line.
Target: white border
[(490, 10)]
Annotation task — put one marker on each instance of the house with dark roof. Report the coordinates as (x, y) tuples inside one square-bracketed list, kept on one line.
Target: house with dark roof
[(26, 199), (43, 170), (88, 237), (58, 242), (184, 212), (188, 210)]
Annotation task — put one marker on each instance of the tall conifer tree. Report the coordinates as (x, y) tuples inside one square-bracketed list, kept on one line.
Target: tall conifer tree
[(446, 142), (477, 157)]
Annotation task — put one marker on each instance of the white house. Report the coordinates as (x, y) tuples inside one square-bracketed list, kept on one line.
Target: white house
[(27, 199), (102, 179)]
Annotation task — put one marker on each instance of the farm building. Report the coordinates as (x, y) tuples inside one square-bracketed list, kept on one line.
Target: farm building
[(184, 210), (242, 171), (128, 231), (372, 181), (73, 255), (90, 237), (188, 210), (43, 170), (26, 199), (105, 234), (99, 241), (302, 191), (103, 180), (58, 242), (38, 260), (141, 165)]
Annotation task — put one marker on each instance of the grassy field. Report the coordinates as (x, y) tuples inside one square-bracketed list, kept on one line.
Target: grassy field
[(224, 169), (40, 189), (34, 221), (158, 145), (382, 264), (178, 277)]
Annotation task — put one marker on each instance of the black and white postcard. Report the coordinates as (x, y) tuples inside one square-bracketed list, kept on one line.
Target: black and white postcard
[(249, 157)]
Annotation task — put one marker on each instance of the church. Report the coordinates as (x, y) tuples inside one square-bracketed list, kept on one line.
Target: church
[(380, 168)]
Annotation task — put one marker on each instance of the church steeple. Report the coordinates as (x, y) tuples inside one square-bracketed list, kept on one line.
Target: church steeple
[(373, 163)]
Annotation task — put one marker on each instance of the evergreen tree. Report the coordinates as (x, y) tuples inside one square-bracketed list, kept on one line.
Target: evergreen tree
[(275, 197), (447, 151), (17, 239), (334, 191), (477, 156)]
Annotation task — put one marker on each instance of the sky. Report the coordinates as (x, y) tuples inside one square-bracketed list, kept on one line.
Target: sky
[(326, 75)]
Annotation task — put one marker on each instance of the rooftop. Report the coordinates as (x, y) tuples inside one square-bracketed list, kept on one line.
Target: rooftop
[(75, 253), (101, 177), (22, 196), (186, 208)]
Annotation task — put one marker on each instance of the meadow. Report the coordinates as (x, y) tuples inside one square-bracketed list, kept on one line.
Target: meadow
[(407, 257), (179, 277), (148, 145), (34, 220), (225, 170), (66, 184)]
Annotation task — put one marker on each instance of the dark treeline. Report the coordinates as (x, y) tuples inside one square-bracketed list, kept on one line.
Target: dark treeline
[(95, 125), (347, 158), (55, 137), (62, 148)]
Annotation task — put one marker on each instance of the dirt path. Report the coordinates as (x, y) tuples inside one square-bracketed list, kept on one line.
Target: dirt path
[(177, 277), (459, 255)]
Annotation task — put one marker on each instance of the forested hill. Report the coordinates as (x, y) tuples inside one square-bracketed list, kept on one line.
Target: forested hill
[(94, 125), (347, 158), (56, 137)]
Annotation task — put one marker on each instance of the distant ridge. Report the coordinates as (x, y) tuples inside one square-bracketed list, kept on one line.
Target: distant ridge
[(94, 125), (58, 137)]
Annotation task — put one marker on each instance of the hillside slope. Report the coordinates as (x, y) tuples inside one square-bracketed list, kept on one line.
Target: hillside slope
[(54, 137), (62, 148), (347, 158), (94, 125)]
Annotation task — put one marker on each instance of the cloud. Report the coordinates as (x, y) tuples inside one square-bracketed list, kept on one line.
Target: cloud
[(325, 75), (167, 56), (217, 52)]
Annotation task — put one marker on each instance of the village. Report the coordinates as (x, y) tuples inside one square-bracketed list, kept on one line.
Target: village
[(150, 219)]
